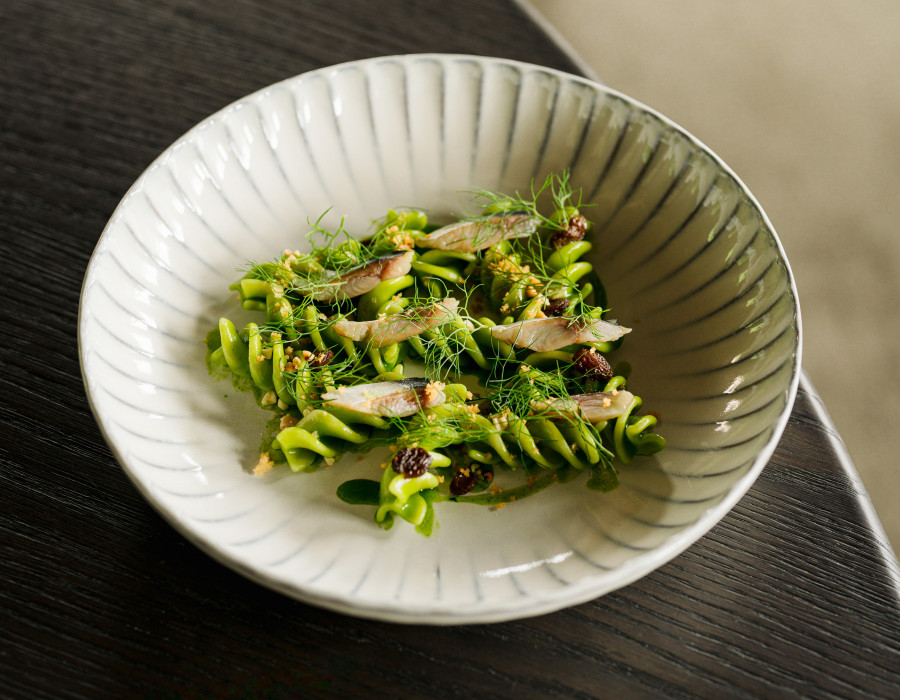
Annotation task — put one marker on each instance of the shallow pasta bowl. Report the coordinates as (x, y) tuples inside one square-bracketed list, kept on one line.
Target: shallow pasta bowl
[(688, 258)]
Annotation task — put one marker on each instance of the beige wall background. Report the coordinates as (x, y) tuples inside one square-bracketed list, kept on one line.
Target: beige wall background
[(802, 100)]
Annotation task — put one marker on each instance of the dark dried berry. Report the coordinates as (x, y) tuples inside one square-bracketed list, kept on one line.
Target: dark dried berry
[(321, 358), (591, 364), (463, 481), (575, 231), (556, 307), (411, 461)]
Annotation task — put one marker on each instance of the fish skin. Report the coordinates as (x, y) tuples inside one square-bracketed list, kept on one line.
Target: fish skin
[(366, 277), (397, 327), (472, 236), (590, 407), (398, 399), (547, 334)]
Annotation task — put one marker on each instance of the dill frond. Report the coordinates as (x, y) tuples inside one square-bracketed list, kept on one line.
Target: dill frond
[(518, 415)]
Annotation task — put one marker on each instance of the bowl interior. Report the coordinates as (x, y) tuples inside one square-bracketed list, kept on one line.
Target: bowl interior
[(687, 257)]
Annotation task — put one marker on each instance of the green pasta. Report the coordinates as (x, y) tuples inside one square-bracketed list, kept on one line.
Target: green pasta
[(474, 350)]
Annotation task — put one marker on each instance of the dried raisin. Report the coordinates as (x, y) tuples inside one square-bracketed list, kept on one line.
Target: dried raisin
[(321, 358), (556, 307), (411, 461), (575, 231), (591, 364), (463, 480)]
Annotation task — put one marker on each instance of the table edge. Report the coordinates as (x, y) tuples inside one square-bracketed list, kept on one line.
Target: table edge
[(847, 467)]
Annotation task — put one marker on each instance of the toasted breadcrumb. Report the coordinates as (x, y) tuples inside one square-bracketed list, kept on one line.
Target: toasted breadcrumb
[(264, 464), (402, 241), (287, 421), (432, 391)]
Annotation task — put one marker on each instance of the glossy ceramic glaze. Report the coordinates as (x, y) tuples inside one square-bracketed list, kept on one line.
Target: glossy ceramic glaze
[(688, 258)]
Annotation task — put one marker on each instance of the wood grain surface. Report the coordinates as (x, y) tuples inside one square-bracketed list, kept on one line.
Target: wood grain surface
[(793, 594)]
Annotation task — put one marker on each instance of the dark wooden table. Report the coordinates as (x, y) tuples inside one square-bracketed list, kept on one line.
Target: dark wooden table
[(794, 593)]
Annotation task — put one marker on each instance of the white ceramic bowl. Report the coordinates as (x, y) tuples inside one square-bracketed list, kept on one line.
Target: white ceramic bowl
[(688, 258)]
